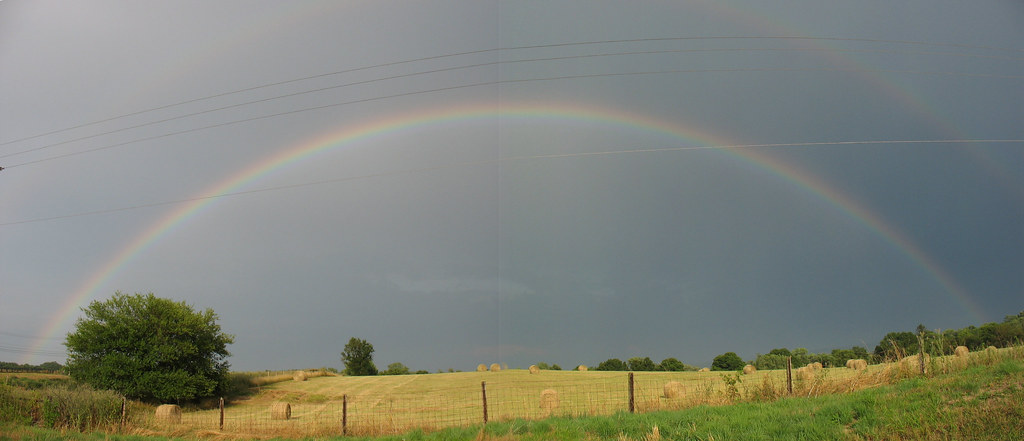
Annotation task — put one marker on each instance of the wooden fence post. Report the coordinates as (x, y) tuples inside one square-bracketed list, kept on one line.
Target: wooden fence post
[(632, 401), (483, 390), (221, 413), (789, 375), (344, 414), (124, 411)]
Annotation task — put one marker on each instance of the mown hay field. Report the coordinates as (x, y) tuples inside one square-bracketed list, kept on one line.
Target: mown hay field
[(394, 404)]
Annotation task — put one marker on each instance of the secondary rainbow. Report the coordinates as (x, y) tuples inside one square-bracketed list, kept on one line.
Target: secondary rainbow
[(350, 137)]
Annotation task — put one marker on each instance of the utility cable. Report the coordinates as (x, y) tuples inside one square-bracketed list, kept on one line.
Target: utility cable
[(502, 49), (511, 81)]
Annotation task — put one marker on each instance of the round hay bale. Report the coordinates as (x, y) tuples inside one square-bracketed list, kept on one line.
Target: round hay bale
[(674, 389), (913, 362), (961, 351), (168, 413), (814, 366), (805, 373), (749, 369), (280, 411), (549, 399), (481, 367), (857, 364), (299, 376), (990, 348), (581, 368), (534, 369), (495, 367), (704, 370)]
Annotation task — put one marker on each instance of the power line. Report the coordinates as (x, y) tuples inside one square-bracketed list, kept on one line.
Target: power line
[(501, 82), (541, 46), (511, 159), (472, 66)]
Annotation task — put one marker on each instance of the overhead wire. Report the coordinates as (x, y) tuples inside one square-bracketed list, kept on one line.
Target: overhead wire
[(541, 46), (501, 82)]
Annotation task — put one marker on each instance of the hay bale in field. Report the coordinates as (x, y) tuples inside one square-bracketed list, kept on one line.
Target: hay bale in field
[(704, 370), (280, 411), (961, 351), (549, 399), (913, 362), (814, 366), (168, 413), (481, 367), (749, 369), (581, 368), (857, 364), (534, 369), (674, 389), (299, 376), (805, 373), (495, 367), (991, 349)]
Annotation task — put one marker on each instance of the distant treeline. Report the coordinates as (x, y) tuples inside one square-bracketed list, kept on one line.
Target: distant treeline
[(1010, 331), (896, 345), (893, 346), (48, 367), (640, 364)]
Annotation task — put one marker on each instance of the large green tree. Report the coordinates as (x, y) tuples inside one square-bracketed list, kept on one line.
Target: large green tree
[(728, 361), (358, 358), (149, 348)]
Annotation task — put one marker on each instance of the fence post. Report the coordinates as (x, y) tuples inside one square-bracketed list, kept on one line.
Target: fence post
[(483, 390), (920, 355), (124, 410), (632, 401), (344, 414), (221, 413), (789, 375)]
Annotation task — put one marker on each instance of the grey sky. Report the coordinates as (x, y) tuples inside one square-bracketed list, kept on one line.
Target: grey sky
[(444, 253)]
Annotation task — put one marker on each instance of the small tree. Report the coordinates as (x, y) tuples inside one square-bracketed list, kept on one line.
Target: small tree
[(358, 358), (149, 348), (728, 361), (671, 365), (396, 369), (639, 364), (612, 364)]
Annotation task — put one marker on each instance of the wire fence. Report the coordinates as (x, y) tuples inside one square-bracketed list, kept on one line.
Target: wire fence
[(504, 396), (332, 406)]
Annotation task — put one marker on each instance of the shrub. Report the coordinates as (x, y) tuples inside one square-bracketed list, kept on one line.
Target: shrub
[(612, 364), (639, 364), (396, 369), (728, 361)]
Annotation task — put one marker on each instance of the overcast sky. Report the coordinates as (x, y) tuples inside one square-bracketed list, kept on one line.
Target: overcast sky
[(419, 174)]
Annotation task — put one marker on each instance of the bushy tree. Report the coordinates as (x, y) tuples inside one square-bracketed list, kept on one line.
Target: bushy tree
[(771, 361), (396, 369), (149, 348), (640, 364), (897, 344), (358, 358), (612, 364), (780, 351), (728, 361), (671, 365)]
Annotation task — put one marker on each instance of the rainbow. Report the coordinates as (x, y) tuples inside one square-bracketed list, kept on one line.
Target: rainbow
[(350, 137)]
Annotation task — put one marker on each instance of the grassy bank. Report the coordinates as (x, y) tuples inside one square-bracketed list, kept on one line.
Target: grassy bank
[(981, 401)]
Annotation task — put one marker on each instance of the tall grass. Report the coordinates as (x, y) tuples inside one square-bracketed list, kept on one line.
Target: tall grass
[(61, 406)]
